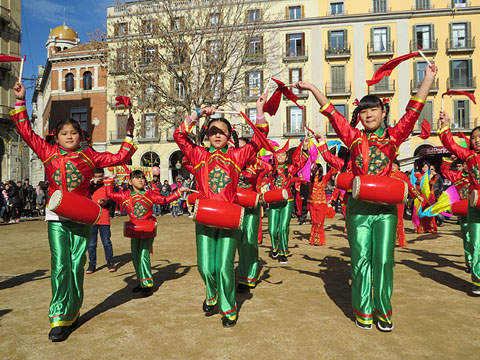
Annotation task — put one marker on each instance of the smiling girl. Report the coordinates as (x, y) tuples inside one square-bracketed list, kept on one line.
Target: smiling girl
[(217, 171), (68, 167), (371, 227)]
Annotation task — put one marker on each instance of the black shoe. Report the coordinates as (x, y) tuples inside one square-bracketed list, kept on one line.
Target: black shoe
[(58, 333), (384, 326), (146, 291), (468, 270), (274, 254), (242, 288), (363, 326), (476, 290), (207, 308), (137, 288), (226, 322), (111, 267), (91, 269), (282, 259)]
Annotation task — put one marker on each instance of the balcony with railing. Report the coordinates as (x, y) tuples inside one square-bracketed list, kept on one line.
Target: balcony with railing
[(386, 49), (452, 5), (423, 6), (415, 84), (341, 89), (337, 52), (293, 132), (5, 66), (381, 8), (297, 55), (117, 137), (150, 135), (456, 45), (466, 84), (464, 124), (255, 58), (5, 15), (418, 126), (252, 93), (428, 47), (384, 87)]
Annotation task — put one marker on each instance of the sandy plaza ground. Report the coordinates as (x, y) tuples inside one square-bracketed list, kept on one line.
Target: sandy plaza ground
[(300, 310)]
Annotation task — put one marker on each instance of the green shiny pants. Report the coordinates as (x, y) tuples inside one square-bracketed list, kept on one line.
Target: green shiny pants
[(279, 217), (473, 218), (68, 242), (141, 260), (371, 235), (215, 257), (467, 244), (248, 270)]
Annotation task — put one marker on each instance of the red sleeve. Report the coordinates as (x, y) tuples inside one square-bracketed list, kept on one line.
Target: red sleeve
[(245, 154), (329, 175), (39, 146), (332, 160), (119, 197), (411, 189), (447, 140), (342, 127), (299, 159), (402, 130), (187, 147), (105, 159), (448, 172), (162, 200)]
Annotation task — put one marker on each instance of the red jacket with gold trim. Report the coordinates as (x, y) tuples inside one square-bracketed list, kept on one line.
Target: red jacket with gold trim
[(79, 164), (458, 178), (252, 177), (469, 156), (217, 171), (382, 144), (139, 205)]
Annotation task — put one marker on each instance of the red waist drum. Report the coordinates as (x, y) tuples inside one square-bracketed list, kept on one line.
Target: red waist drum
[(247, 198), (344, 181), (218, 214), (75, 207), (192, 198), (376, 189), (474, 200), (140, 229), (275, 195), (460, 208)]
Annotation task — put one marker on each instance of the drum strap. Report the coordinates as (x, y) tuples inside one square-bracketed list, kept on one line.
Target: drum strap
[(130, 201), (206, 178), (365, 153), (63, 172)]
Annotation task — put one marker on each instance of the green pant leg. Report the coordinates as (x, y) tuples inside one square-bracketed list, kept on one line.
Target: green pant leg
[(473, 217), (284, 228), (248, 248), (359, 235), (135, 250), (384, 235), (206, 250), (68, 243), (274, 223), (467, 244), (143, 267), (225, 271)]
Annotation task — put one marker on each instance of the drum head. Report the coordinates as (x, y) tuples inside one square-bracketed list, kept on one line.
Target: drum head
[(55, 200), (356, 187)]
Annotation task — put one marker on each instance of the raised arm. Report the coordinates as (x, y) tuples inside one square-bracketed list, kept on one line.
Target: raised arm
[(105, 159), (448, 172), (162, 200), (119, 197), (447, 139), (332, 160)]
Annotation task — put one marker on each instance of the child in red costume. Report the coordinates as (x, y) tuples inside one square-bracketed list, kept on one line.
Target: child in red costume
[(139, 205), (68, 167)]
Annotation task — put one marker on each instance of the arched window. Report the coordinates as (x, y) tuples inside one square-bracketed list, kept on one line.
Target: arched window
[(150, 159), (69, 82), (87, 80)]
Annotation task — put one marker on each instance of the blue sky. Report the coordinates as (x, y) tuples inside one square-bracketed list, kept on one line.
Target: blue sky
[(39, 16)]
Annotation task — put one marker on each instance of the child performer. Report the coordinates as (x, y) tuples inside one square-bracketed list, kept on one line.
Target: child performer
[(217, 171), (318, 203), (371, 227), (427, 224), (251, 179), (461, 183), (139, 205), (396, 173), (472, 158), (280, 213), (68, 240), (98, 195)]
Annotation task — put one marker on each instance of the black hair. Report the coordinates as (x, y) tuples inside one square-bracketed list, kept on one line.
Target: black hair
[(244, 139), (471, 133), (425, 163), (367, 102), (75, 124), (396, 162), (99, 171), (236, 143), (319, 168), (137, 174), (344, 154)]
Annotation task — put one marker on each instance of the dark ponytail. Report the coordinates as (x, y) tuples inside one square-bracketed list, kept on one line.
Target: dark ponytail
[(353, 122), (387, 110), (235, 138)]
